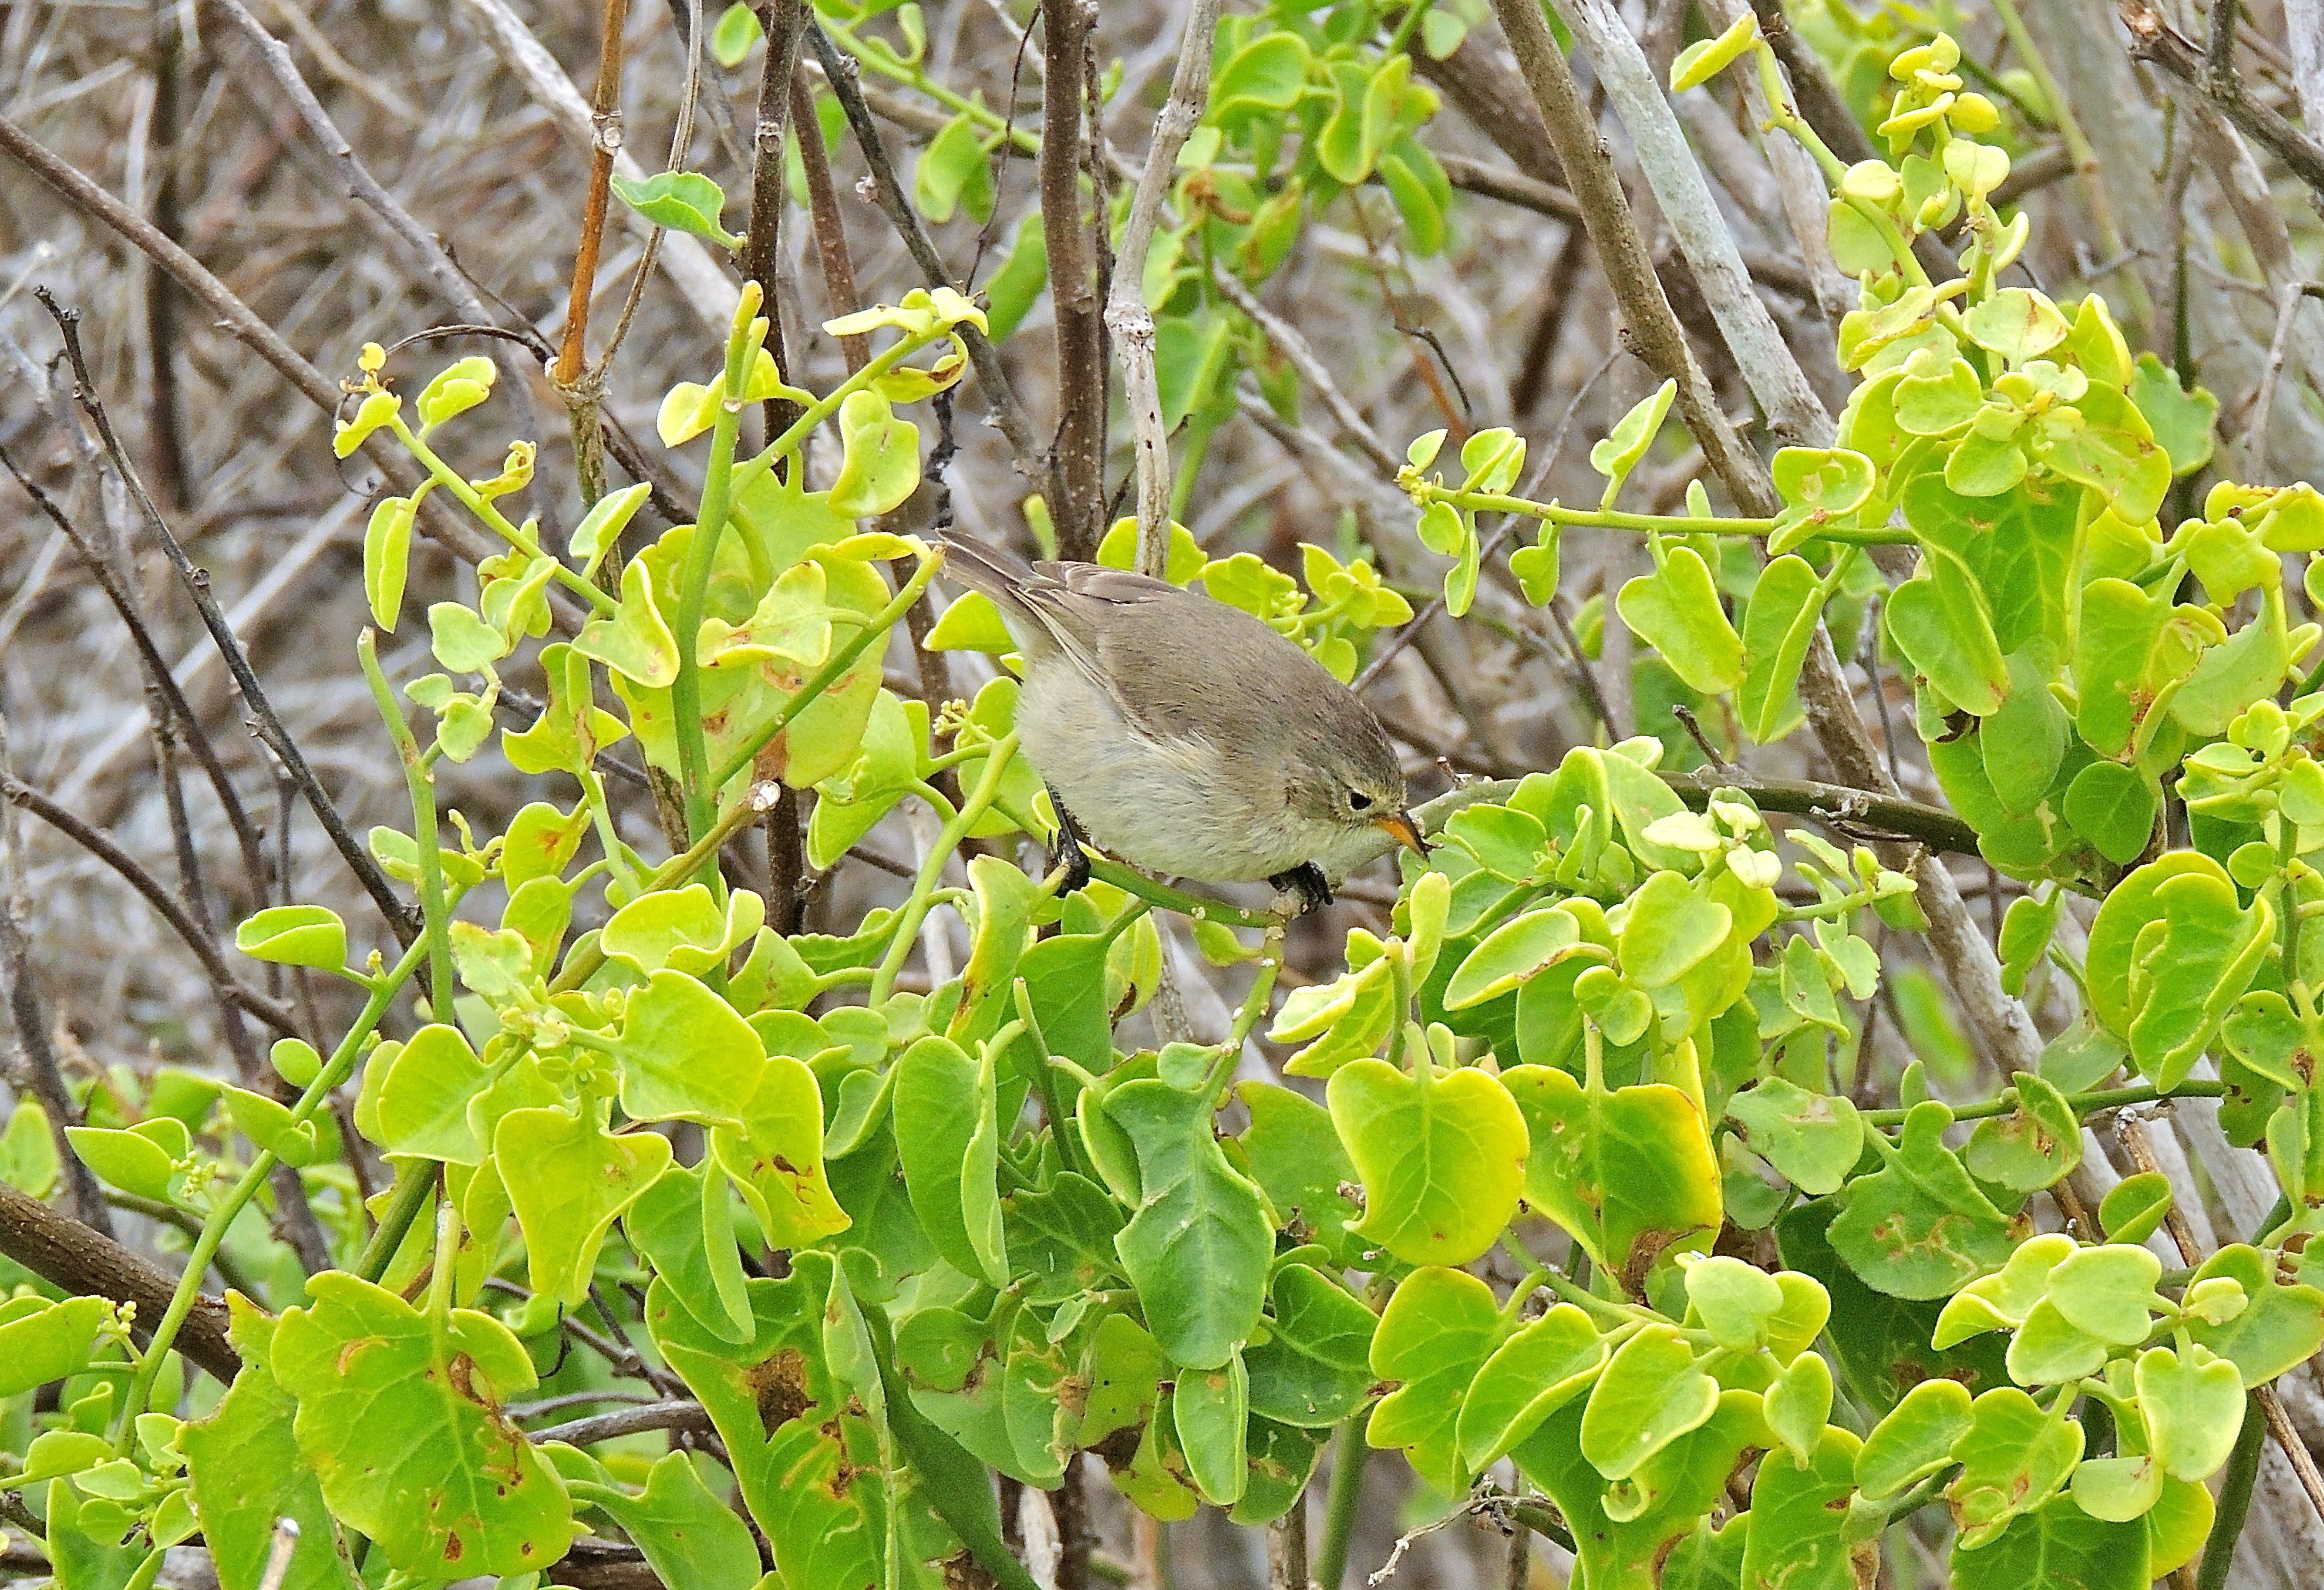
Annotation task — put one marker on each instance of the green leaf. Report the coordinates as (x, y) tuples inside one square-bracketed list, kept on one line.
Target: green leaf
[(688, 1536), (880, 460), (2181, 912), (2013, 1458), (737, 29), (1736, 1302), (670, 1224), (1528, 1377), (129, 1160), (568, 1178), (48, 1343), (1442, 1159), (1800, 1536), (423, 1104), (295, 936), (1198, 1248), (1705, 59), (2017, 323), (952, 173), (1513, 952), (636, 642), (1296, 1157), (400, 1416), (2134, 1208), (682, 201), (1786, 604), (2035, 1145), (808, 1467), (1650, 1394), (1919, 1226), (1619, 454), (686, 1055), (1625, 1534), (776, 1157), (1670, 928), (1268, 73), (1434, 1336), (1820, 487), (1211, 1411), (2280, 1325), (1676, 611), (1885, 1351), (2181, 419), (1915, 1440), (943, 1111), (1939, 621), (1629, 1173), (457, 388), (1314, 1369), (387, 558), (2194, 1407), (1814, 1140), (2056, 1547)]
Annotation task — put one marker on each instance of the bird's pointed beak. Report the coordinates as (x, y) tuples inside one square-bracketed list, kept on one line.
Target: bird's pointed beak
[(1399, 826)]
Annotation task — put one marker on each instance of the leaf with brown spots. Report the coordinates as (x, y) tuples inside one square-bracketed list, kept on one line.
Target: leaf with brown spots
[(399, 1417)]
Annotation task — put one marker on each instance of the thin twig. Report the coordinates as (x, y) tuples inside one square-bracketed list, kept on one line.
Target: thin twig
[(400, 919), (1286, 340), (606, 142), (2279, 347), (1126, 314), (627, 1421), (421, 249), (1622, 253), (238, 319), (2154, 41), (29, 1014), (157, 667), (18, 793), (1034, 462)]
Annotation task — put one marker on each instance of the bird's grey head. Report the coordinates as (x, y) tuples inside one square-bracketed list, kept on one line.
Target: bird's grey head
[(1343, 772)]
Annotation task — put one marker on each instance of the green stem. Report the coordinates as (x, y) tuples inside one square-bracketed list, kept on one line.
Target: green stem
[(1192, 906), (2082, 1104), (878, 58), (674, 873), (223, 1212), (2235, 1498), (1254, 1003), (701, 553), (1649, 524), (923, 887), (493, 519), (415, 1185), (1349, 1455), (422, 788), (1406, 24), (836, 667)]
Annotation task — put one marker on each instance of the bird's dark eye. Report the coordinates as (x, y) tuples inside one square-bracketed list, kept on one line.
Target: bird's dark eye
[(1358, 802)]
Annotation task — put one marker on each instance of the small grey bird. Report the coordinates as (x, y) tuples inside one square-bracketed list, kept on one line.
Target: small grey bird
[(1184, 735)]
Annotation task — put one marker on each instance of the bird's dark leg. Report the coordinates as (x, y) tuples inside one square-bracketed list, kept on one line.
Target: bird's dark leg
[(1070, 853), (1308, 884)]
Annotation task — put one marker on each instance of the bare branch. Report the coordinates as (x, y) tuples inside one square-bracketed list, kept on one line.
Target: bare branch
[(69, 1253), (2154, 41), (1073, 291), (401, 919), (1795, 413), (1126, 314)]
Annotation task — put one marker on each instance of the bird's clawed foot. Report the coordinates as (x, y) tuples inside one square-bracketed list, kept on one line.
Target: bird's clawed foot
[(1307, 883), (1068, 852)]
